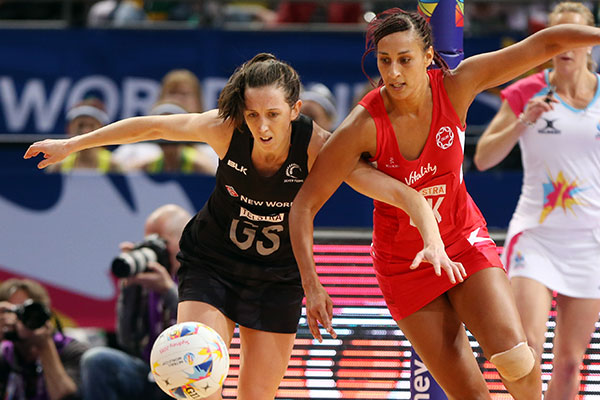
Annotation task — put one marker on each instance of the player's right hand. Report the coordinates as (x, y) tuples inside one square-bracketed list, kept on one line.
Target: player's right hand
[(435, 254), (319, 310), (54, 150)]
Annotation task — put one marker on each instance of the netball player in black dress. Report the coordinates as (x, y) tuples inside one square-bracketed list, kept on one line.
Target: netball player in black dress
[(237, 265)]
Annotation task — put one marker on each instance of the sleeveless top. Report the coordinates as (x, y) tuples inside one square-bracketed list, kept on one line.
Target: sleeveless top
[(561, 161), (245, 220), (436, 174)]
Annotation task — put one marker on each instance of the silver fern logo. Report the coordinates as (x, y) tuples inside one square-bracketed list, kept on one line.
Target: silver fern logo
[(293, 172)]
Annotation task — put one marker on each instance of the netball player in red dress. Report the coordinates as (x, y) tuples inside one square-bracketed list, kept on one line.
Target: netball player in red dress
[(412, 126)]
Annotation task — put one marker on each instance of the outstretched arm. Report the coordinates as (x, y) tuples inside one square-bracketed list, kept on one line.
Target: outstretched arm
[(478, 73), (206, 127)]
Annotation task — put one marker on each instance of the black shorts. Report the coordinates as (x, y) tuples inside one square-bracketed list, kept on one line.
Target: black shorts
[(254, 296)]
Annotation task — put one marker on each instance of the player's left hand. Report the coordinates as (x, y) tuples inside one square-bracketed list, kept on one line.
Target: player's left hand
[(435, 254)]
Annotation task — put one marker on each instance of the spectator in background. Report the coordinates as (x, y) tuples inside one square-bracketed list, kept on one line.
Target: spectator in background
[(177, 157), (85, 117), (37, 361), (249, 11), (182, 89), (116, 13), (147, 305), (319, 104), (554, 115), (347, 12)]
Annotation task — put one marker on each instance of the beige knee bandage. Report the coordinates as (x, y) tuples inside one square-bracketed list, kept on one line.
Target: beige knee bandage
[(515, 363)]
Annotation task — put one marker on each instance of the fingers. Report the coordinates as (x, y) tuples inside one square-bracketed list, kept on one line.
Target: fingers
[(321, 317), (314, 327), (328, 319), (461, 268), (321, 313), (31, 152), (43, 164), (449, 268), (455, 270), (126, 246), (417, 261)]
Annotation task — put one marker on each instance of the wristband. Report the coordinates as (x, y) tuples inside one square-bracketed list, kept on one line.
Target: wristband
[(524, 121)]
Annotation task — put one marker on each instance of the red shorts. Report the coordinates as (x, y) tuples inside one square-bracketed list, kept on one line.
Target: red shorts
[(406, 291)]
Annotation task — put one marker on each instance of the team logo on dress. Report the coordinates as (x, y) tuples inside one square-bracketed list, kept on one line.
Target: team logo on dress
[(444, 137), (291, 169), (261, 218), (560, 192), (239, 168), (292, 172), (549, 128), (391, 163), (231, 191), (519, 260), (416, 175)]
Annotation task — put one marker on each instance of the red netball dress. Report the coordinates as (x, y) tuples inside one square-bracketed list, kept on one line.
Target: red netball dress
[(437, 175)]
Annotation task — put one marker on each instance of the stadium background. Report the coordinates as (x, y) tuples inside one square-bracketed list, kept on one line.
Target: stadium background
[(64, 230)]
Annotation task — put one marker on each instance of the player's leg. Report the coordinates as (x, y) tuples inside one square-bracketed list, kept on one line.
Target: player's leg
[(534, 301), (197, 311), (486, 305), (438, 336), (575, 322), (263, 361)]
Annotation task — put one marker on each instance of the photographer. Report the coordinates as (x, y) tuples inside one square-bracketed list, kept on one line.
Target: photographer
[(37, 361), (147, 304)]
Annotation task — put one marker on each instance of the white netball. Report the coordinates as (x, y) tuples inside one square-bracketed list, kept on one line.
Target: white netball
[(189, 360)]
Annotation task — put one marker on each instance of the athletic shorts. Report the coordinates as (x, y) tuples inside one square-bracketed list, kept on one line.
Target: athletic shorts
[(256, 297), (566, 261)]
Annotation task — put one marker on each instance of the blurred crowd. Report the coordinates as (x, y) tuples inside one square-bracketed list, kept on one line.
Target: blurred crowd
[(481, 17), (180, 93)]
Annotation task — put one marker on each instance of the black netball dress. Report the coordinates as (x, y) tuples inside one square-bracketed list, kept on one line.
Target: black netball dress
[(236, 252)]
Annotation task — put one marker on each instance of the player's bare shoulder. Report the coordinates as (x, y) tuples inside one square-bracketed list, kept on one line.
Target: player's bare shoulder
[(359, 129), (317, 140), (213, 130)]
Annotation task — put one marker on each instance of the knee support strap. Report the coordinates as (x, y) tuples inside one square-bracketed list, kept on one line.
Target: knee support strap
[(515, 363)]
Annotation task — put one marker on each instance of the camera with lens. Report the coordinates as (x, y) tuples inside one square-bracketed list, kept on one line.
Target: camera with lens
[(32, 314), (130, 263)]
